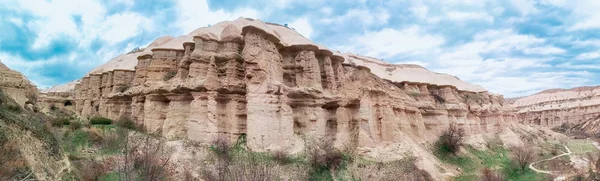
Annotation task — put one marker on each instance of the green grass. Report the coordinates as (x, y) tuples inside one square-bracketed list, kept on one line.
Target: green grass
[(497, 158), (11, 113), (112, 176), (100, 121), (75, 141), (106, 127), (464, 162), (581, 146)]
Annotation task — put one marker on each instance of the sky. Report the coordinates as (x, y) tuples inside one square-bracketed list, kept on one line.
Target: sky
[(511, 47)]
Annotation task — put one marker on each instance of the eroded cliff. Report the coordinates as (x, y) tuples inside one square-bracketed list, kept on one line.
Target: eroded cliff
[(17, 86), (279, 88), (552, 108)]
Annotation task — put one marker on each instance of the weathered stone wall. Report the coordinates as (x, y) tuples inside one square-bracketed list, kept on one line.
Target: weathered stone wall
[(552, 108), (279, 97)]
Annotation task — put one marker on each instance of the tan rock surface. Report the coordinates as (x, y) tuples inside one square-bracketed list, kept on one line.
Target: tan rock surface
[(279, 88), (16, 85), (554, 107)]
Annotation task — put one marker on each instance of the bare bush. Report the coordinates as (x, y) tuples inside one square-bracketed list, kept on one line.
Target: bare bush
[(13, 165), (92, 171), (490, 175), (452, 139), (281, 157), (245, 166), (151, 160), (523, 156), (322, 154), (403, 169)]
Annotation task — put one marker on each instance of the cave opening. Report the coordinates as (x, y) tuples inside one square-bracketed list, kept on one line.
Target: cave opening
[(68, 103)]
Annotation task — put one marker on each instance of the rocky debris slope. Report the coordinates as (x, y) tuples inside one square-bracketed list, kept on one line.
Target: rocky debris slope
[(552, 108), (274, 85), (17, 86), (27, 148)]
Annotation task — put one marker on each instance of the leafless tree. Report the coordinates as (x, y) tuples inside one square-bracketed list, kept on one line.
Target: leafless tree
[(490, 175), (452, 138), (145, 158), (523, 156)]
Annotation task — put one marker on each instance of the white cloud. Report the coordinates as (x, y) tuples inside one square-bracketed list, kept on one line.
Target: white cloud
[(302, 26), (585, 43), (584, 14), (592, 22), (544, 50), (194, 14), (420, 10), (569, 65), (468, 16), (55, 18), (366, 17), (389, 42), (16, 21), (588, 55), (119, 27), (526, 7), (503, 72)]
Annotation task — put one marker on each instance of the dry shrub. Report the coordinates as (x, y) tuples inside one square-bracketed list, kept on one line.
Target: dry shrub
[(451, 139), (490, 175), (13, 166), (282, 157), (95, 135), (523, 156), (250, 169), (75, 126), (151, 160), (231, 164), (323, 155), (92, 171), (403, 169)]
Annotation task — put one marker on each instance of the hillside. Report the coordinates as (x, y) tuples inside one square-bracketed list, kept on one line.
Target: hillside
[(579, 107), (246, 92)]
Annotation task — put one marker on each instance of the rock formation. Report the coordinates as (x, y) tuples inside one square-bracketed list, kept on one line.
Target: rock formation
[(552, 108), (17, 86), (274, 85)]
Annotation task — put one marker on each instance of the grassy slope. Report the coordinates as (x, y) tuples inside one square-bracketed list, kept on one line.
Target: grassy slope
[(496, 158), (18, 125)]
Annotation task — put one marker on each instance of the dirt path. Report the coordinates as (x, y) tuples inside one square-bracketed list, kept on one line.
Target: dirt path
[(544, 171), (66, 168), (596, 145)]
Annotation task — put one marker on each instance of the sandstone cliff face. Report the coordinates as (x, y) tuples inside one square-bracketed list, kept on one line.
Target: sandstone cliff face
[(17, 86), (552, 108), (277, 87)]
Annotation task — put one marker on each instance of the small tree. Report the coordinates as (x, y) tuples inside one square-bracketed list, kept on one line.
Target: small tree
[(490, 175), (451, 139), (523, 156)]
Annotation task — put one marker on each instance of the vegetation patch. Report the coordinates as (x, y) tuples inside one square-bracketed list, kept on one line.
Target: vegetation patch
[(75, 141), (100, 121)]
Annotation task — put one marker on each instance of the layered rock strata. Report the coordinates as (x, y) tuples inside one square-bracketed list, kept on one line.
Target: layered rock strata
[(552, 108), (17, 86), (279, 88)]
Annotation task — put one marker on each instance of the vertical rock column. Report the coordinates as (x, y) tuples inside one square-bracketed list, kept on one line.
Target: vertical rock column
[(183, 69), (175, 125), (308, 69), (137, 109), (329, 81), (270, 125), (141, 71), (155, 112), (85, 97), (202, 121)]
